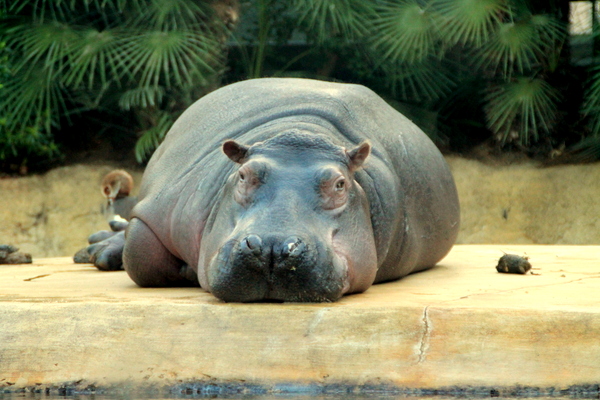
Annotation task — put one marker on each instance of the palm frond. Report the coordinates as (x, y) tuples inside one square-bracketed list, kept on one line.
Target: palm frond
[(4, 71), (591, 105), (145, 96), (173, 14), (42, 9), (517, 111), (69, 56), (95, 58), (421, 82), (549, 28), (404, 31), (588, 149), (521, 44), (152, 137), (35, 98), (327, 18), (513, 47), (47, 43), (170, 57), (468, 21)]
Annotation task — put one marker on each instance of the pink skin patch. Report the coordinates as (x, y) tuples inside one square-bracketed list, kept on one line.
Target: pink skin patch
[(348, 271)]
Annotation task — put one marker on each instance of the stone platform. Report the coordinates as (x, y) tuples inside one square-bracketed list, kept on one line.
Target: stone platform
[(461, 324)]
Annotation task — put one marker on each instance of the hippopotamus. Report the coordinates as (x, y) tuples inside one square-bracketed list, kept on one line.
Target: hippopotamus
[(285, 189)]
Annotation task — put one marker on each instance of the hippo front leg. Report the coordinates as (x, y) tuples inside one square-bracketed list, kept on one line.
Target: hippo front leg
[(149, 263)]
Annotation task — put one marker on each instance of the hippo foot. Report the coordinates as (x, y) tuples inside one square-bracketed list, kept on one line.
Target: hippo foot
[(107, 255), (82, 257), (106, 248), (11, 255)]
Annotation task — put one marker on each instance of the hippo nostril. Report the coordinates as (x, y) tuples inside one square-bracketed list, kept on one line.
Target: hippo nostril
[(293, 247), (251, 244)]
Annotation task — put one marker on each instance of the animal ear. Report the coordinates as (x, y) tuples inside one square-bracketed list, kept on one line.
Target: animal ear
[(359, 155), (235, 151)]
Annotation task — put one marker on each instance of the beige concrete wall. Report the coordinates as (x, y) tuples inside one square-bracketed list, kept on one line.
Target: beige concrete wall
[(52, 214), (523, 203)]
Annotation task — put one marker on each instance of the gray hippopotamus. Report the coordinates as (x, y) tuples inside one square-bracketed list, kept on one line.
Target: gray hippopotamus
[(288, 190)]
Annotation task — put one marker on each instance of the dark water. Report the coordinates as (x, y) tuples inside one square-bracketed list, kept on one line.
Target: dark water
[(245, 391), (285, 396), (40, 396), (19, 396)]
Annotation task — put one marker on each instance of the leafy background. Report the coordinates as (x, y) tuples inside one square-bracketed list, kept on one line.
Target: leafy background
[(117, 73)]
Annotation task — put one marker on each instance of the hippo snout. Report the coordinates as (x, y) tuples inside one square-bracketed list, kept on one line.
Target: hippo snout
[(276, 267), (273, 252)]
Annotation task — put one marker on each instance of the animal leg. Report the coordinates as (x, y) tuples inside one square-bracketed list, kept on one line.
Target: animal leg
[(149, 263)]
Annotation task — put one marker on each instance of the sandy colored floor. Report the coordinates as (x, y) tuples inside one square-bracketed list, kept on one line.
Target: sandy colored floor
[(460, 325), (52, 214)]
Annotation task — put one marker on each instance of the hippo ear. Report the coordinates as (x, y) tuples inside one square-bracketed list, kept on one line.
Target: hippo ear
[(235, 151), (358, 155)]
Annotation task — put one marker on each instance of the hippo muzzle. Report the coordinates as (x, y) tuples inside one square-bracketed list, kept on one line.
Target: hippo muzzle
[(278, 267)]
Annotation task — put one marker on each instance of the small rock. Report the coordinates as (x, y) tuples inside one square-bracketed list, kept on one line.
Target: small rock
[(13, 256), (7, 248)]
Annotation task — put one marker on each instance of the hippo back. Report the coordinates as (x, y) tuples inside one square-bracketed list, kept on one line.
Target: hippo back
[(413, 200)]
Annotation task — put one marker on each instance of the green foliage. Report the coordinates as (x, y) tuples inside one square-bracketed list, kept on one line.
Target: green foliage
[(3, 64), (30, 143), (325, 19), (463, 69), (469, 21), (521, 109), (591, 106), (521, 44), (146, 144), (28, 147), (419, 52), (75, 56), (588, 148), (404, 32), (424, 50)]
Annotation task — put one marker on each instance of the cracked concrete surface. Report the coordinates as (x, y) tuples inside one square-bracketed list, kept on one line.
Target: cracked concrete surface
[(458, 324), (424, 343)]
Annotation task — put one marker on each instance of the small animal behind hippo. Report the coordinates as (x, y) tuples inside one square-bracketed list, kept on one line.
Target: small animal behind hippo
[(290, 190)]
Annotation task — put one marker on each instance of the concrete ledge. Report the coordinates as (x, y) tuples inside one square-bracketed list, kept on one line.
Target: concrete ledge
[(461, 324)]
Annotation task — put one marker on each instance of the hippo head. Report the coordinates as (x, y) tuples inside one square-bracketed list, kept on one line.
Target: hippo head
[(292, 223)]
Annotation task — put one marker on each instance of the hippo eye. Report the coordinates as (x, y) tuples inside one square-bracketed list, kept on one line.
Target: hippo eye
[(340, 185), (242, 177)]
